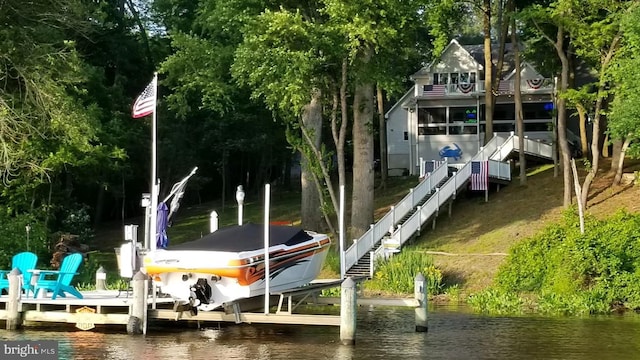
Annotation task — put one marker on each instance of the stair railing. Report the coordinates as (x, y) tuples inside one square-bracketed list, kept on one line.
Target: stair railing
[(388, 222)]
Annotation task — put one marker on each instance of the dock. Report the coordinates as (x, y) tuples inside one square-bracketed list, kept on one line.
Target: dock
[(132, 310)]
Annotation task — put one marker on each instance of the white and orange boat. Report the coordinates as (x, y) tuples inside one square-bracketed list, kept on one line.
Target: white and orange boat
[(228, 264)]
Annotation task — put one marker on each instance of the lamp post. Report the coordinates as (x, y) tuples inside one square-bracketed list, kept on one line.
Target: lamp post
[(28, 230), (240, 200)]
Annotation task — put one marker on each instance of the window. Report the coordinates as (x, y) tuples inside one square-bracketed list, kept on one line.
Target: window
[(504, 112), (537, 126), (432, 121), (537, 111), (467, 78), (440, 79), (465, 114), (454, 78)]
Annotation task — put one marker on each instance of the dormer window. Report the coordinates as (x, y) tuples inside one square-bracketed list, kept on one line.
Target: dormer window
[(454, 78)]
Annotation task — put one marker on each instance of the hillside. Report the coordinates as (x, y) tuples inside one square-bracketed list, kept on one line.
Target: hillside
[(468, 247), (478, 233)]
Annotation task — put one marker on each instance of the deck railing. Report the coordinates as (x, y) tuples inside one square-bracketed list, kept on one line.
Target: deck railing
[(505, 87)]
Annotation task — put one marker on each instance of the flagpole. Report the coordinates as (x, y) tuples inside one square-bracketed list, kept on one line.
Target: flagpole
[(154, 177)]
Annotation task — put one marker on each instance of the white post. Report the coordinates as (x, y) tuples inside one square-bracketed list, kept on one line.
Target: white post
[(240, 200), (267, 197), (342, 254), (348, 311), (420, 294), (213, 222), (146, 204), (154, 177), (27, 228), (153, 221)]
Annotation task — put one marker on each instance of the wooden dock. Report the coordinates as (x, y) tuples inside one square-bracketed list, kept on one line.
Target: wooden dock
[(134, 310)]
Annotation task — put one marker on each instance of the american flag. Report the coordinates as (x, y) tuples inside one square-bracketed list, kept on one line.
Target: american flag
[(505, 86), (145, 103), (430, 166), (434, 90), (480, 175)]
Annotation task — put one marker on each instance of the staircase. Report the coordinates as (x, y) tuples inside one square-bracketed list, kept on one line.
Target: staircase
[(423, 203)]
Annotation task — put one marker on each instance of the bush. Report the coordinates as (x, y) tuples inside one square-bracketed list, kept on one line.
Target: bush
[(567, 272), (397, 274)]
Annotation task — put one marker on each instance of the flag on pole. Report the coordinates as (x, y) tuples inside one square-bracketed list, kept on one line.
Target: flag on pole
[(176, 194), (145, 103), (480, 175)]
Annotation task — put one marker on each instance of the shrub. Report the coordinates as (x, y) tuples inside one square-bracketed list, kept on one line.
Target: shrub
[(573, 273), (397, 274)]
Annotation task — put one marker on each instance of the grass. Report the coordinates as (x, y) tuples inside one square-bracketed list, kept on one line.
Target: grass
[(467, 247)]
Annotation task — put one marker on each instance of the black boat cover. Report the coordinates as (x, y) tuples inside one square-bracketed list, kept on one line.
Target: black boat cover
[(246, 237)]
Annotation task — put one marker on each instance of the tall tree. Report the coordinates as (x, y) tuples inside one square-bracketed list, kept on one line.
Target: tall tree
[(522, 159), (623, 124)]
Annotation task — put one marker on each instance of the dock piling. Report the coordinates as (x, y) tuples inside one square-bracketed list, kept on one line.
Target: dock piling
[(101, 278), (348, 309), (420, 293), (136, 323), (14, 321)]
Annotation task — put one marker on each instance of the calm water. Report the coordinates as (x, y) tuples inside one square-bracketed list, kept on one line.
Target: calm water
[(382, 333)]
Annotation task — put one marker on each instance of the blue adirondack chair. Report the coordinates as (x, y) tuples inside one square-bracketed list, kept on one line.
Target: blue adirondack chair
[(24, 261), (59, 282)]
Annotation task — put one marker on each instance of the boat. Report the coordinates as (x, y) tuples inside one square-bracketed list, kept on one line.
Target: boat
[(228, 264)]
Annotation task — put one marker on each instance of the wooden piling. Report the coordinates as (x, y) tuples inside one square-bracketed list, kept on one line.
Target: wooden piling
[(14, 320), (136, 324), (420, 293), (348, 311), (101, 279)]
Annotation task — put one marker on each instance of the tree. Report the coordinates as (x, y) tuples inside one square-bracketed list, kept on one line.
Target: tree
[(623, 123)]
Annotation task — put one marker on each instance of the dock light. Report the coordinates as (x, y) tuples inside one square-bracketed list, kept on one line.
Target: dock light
[(27, 228), (240, 200)]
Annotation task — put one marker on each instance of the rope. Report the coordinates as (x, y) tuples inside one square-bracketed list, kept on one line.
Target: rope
[(470, 254)]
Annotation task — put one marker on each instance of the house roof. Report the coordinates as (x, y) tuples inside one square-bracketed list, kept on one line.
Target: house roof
[(401, 102), (476, 52)]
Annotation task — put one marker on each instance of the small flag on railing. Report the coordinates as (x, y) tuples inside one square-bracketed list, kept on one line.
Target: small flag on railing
[(480, 175)]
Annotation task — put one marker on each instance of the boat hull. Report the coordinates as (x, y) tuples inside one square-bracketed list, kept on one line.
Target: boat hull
[(211, 279)]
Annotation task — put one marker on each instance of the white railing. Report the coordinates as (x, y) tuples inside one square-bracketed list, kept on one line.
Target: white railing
[(431, 207), (531, 147), (378, 230), (505, 87), (500, 170), (496, 150)]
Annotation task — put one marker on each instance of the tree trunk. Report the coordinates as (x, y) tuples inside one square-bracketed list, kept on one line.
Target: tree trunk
[(340, 133), (620, 160), (363, 176), (565, 153), (518, 98), (488, 71), (582, 113), (595, 140), (615, 156), (310, 208), (383, 139)]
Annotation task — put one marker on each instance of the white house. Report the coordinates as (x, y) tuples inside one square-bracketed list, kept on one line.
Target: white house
[(442, 116)]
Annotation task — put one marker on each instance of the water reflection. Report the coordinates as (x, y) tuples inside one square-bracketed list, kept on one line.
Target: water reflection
[(382, 333)]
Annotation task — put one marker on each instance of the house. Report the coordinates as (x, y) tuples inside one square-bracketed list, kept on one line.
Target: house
[(443, 114)]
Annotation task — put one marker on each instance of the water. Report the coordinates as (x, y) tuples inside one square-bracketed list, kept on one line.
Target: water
[(382, 333)]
